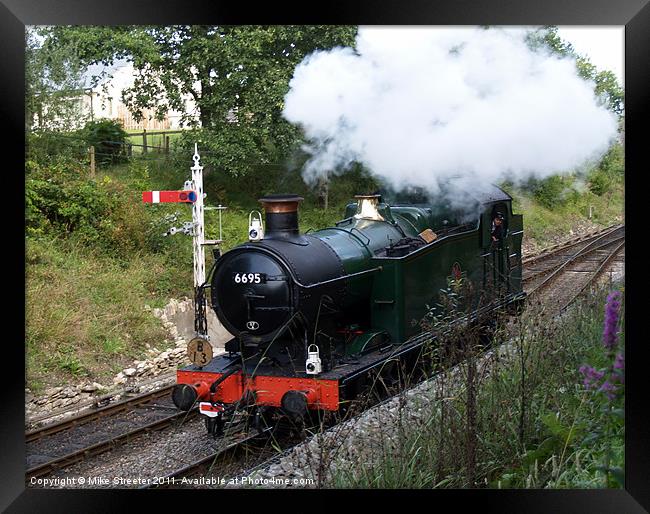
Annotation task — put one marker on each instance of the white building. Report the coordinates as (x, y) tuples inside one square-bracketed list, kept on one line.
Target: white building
[(105, 101)]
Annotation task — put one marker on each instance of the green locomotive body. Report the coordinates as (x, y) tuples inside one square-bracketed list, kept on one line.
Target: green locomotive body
[(412, 278)]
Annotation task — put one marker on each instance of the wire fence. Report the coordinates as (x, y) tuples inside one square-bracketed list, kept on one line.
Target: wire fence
[(125, 150)]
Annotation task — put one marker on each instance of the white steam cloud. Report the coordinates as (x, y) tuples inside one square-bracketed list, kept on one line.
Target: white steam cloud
[(418, 105)]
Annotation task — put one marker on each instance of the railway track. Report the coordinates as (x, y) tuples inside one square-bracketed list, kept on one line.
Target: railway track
[(556, 276), (33, 422), (553, 250), (586, 257), (61, 444), (229, 459)]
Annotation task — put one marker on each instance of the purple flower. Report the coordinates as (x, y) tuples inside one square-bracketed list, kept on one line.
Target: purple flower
[(618, 368), (609, 389), (610, 334), (619, 362), (592, 376), (607, 386), (607, 381)]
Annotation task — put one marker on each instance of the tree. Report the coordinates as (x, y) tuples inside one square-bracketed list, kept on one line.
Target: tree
[(237, 75), (611, 169), (606, 88), (53, 85)]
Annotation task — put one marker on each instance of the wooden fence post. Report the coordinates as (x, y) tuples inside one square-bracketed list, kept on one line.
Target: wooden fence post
[(167, 145), (144, 140), (91, 151)]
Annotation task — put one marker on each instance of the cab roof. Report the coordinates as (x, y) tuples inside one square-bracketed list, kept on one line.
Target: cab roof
[(485, 194)]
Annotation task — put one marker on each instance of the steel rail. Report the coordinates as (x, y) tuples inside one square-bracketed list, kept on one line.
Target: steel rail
[(595, 274), (176, 476), (102, 446), (87, 417), (559, 247), (581, 253)]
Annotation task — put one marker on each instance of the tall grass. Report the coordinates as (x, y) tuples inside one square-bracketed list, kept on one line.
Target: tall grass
[(519, 416), (543, 224), (85, 313)]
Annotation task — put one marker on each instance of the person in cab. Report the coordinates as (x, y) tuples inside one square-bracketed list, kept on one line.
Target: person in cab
[(497, 228)]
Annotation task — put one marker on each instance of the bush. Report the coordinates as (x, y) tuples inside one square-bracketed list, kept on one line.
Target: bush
[(613, 163), (609, 172), (62, 202), (46, 146), (552, 191), (599, 183), (109, 139), (57, 197)]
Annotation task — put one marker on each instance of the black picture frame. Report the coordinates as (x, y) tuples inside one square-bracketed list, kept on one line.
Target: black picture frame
[(634, 14)]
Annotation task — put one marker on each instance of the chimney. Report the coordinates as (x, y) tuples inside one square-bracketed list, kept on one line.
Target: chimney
[(281, 215)]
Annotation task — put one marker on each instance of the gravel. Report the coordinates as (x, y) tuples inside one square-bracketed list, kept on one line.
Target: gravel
[(133, 464)]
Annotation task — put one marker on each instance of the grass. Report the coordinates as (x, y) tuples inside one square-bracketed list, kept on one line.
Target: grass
[(85, 311), (542, 225), (532, 425), (154, 141)]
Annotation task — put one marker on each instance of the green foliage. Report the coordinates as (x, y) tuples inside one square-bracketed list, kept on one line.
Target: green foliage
[(237, 75), (45, 146), (613, 163), (606, 86), (609, 173), (607, 89), (599, 182), (57, 195), (53, 84), (62, 201), (552, 192), (68, 362), (85, 311), (109, 139), (534, 423)]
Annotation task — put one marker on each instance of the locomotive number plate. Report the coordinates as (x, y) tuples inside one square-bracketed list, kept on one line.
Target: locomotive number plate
[(249, 278)]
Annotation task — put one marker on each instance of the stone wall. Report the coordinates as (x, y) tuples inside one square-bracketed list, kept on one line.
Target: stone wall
[(178, 318)]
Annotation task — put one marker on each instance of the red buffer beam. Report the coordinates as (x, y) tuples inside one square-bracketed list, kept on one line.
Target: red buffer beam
[(169, 196)]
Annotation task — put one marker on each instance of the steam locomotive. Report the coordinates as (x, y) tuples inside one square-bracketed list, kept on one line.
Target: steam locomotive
[(317, 317)]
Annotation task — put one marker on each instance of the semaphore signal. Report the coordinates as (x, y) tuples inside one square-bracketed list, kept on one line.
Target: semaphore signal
[(192, 193), (169, 196)]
